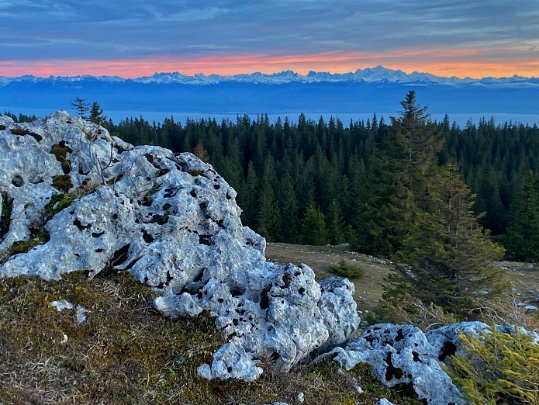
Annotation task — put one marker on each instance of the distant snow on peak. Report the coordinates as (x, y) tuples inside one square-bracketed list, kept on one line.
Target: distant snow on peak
[(376, 74)]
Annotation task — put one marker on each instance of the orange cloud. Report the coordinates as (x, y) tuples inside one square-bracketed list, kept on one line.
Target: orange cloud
[(453, 62)]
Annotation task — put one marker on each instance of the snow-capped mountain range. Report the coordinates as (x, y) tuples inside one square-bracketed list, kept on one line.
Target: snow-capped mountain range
[(368, 75)]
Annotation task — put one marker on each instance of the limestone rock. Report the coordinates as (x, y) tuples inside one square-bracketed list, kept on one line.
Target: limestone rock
[(74, 198), (402, 354)]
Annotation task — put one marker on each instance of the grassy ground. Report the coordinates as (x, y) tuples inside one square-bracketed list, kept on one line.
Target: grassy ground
[(126, 353)]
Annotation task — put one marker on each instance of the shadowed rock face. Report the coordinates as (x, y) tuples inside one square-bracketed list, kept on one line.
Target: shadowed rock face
[(172, 222)]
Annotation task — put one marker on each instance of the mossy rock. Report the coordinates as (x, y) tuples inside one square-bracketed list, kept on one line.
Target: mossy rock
[(62, 183)]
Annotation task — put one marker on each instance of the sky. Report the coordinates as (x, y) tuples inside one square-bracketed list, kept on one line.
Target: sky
[(133, 38)]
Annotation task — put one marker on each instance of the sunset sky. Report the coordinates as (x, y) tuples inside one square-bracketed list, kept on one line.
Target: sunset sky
[(133, 38)]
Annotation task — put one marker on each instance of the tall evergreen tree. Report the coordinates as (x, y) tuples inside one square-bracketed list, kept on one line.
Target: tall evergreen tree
[(96, 113), (450, 254), (314, 228), (522, 238), (335, 224), (81, 106)]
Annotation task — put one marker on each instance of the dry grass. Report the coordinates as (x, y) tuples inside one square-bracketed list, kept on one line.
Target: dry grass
[(126, 353)]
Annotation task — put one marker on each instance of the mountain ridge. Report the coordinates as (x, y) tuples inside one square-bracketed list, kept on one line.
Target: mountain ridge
[(377, 74)]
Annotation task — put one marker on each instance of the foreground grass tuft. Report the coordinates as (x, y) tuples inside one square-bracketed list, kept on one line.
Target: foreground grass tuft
[(127, 353)]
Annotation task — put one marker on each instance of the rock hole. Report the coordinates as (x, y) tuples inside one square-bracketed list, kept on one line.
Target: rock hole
[(35, 179), (237, 291), (392, 371), (162, 172), (301, 291), (416, 356), (193, 193), (149, 157), (147, 237), (275, 356), (229, 369), (204, 240), (17, 180), (170, 192), (264, 297), (98, 250), (216, 186), (399, 336), (220, 300), (287, 279), (166, 206), (449, 349), (81, 227), (199, 276), (97, 234), (120, 256), (159, 219), (169, 277)]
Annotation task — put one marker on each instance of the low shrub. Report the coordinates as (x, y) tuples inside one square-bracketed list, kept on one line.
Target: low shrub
[(497, 368), (347, 269)]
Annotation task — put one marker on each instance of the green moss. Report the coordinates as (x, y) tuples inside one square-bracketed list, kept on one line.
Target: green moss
[(5, 218), (60, 151), (62, 183), (57, 203), (24, 246)]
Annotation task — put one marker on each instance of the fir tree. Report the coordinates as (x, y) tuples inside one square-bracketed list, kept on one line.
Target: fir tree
[(314, 228), (96, 113), (450, 254), (81, 106), (522, 238)]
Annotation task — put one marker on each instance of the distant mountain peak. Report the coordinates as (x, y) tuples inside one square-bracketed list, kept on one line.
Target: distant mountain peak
[(373, 74)]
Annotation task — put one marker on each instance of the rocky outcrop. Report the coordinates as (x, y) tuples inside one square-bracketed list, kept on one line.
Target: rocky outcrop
[(403, 354), (73, 198)]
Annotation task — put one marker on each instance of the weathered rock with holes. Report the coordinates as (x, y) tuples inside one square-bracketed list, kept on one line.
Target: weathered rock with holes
[(172, 222), (403, 354)]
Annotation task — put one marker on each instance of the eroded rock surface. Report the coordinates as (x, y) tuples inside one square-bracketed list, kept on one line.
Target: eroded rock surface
[(73, 198)]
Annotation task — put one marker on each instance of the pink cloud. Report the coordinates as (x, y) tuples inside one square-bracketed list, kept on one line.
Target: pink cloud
[(452, 62)]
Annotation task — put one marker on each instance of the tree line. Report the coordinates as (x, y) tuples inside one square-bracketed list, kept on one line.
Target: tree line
[(320, 182)]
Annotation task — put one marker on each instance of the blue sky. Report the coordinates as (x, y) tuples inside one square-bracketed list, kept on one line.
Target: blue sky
[(476, 38)]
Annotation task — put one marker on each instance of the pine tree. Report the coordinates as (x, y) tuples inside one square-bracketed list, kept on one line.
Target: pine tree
[(81, 106), (522, 238), (335, 224), (451, 256), (268, 212), (96, 113), (314, 228), (399, 179)]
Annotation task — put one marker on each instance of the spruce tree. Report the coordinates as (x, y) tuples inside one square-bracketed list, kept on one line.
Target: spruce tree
[(314, 228), (80, 105), (96, 114), (522, 239), (335, 224), (451, 256)]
